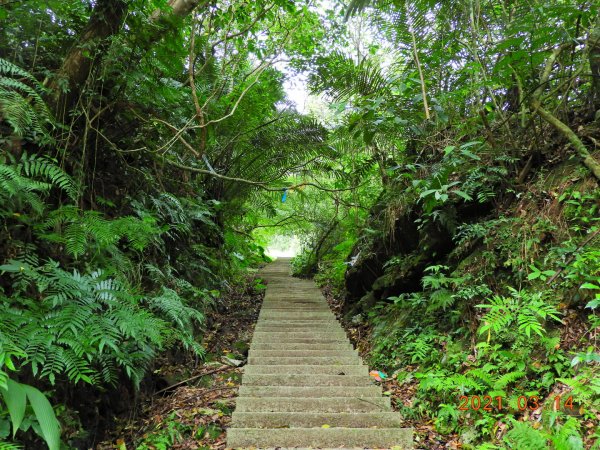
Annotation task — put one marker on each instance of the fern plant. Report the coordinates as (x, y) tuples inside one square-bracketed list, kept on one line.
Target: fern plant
[(89, 231), (562, 437), (522, 310), (171, 307), (86, 327), (25, 182), (21, 103)]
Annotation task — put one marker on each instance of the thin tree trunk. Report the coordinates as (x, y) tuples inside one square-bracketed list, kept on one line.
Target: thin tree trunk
[(580, 148), (422, 78), (536, 106), (594, 59), (106, 20)]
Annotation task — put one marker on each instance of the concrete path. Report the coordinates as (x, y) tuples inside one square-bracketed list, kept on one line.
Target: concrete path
[(304, 385)]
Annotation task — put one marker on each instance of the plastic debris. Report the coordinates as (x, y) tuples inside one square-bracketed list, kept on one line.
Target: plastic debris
[(378, 375)]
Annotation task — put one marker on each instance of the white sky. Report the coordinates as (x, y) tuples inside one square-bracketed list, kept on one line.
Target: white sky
[(296, 89)]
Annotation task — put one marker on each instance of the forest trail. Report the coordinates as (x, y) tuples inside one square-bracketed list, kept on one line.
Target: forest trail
[(304, 385)]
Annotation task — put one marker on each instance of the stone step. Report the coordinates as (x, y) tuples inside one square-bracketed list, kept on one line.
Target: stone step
[(297, 315), (303, 353), (292, 322), (297, 323), (354, 369), (305, 380), (332, 328), (293, 319), (282, 338), (283, 320), (323, 305), (295, 310), (316, 307), (282, 299), (319, 437), (321, 405), (339, 345), (295, 301), (300, 334), (308, 391), (308, 360), (310, 420), (319, 327), (294, 304)]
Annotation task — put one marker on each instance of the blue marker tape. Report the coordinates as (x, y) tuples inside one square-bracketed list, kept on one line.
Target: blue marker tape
[(284, 196)]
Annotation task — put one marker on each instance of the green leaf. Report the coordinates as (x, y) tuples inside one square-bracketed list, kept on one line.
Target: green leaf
[(463, 195), (16, 401), (45, 416), (593, 304), (470, 154), (469, 144), (11, 268), (589, 286)]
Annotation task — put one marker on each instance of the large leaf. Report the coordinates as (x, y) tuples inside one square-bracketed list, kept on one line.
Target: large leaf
[(45, 416), (16, 401)]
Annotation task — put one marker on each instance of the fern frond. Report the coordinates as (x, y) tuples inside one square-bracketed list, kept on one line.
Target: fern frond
[(21, 105)]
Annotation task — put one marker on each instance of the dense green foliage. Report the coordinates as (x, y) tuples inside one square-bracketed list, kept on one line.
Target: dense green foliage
[(477, 267), (134, 135), (444, 183)]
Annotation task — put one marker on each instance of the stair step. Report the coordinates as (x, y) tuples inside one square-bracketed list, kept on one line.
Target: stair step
[(303, 352), (332, 328), (321, 405), (296, 308), (296, 315), (324, 319), (320, 437), (315, 420), (308, 360), (299, 321), (270, 338), (291, 323), (300, 307), (354, 369), (308, 391), (339, 345), (305, 380), (293, 304), (301, 334)]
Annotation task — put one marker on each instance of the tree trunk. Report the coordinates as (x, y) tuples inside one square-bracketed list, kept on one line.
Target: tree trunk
[(594, 58), (179, 8), (106, 20), (580, 148)]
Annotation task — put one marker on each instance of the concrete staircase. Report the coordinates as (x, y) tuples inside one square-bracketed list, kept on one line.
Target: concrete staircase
[(304, 385)]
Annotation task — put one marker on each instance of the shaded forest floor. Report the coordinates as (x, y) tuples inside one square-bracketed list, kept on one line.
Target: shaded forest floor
[(194, 409)]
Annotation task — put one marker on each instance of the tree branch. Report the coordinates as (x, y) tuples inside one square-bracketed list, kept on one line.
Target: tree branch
[(580, 148)]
